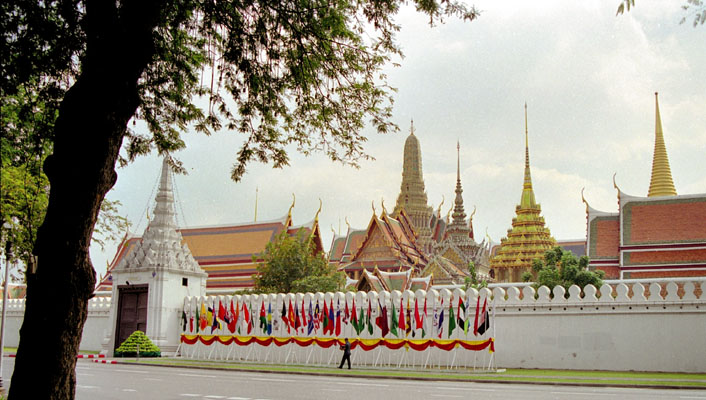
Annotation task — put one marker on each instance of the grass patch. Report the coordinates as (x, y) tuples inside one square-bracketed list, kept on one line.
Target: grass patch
[(510, 375)]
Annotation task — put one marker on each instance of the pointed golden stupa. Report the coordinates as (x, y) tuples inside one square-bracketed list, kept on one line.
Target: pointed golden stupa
[(528, 239), (661, 183)]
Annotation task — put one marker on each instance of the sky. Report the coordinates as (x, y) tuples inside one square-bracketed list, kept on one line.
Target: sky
[(588, 78)]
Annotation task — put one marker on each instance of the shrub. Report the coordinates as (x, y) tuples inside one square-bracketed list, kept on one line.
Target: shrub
[(129, 347)]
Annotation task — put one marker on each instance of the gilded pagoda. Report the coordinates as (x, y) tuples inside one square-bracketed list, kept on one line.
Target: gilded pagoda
[(528, 238), (412, 197)]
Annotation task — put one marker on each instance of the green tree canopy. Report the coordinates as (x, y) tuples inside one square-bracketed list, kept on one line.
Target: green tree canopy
[(290, 264), (302, 74), (562, 268)]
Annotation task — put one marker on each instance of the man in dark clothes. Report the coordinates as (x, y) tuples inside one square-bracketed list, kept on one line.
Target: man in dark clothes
[(346, 354)]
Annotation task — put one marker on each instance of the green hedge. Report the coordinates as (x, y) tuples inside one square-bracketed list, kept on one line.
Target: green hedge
[(129, 347)]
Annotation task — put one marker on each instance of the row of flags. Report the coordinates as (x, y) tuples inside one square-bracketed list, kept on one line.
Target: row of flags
[(240, 317)]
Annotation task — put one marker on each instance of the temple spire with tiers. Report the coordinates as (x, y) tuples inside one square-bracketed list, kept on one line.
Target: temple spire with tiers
[(661, 183), (413, 197), (528, 238)]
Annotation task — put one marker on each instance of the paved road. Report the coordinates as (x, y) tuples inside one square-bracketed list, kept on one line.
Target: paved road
[(135, 382)]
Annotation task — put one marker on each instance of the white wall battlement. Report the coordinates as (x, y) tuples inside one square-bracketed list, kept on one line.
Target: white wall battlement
[(643, 326)]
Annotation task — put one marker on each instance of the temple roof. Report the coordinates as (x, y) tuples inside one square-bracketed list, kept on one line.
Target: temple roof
[(661, 183)]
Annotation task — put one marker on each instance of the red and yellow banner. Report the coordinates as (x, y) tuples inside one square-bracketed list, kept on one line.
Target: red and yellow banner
[(364, 344)]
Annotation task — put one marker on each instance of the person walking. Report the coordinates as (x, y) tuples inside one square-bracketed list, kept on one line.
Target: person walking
[(346, 347)]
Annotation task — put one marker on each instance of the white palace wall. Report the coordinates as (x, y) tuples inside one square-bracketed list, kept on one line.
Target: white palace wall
[(614, 328)]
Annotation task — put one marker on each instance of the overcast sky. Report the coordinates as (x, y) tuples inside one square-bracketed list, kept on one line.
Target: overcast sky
[(587, 76)]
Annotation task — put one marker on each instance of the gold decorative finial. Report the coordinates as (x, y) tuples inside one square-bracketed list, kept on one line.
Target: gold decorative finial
[(333, 231), (448, 215), (584, 199), (615, 185), (347, 223), (316, 218), (382, 201), (411, 128), (372, 203), (438, 211), (473, 213), (294, 200)]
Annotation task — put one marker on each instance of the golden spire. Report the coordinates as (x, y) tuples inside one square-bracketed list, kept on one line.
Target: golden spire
[(528, 200), (661, 183)]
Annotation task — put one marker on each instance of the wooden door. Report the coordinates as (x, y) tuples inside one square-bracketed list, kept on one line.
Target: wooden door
[(132, 311)]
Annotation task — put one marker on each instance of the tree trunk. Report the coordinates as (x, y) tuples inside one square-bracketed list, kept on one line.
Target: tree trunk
[(88, 134)]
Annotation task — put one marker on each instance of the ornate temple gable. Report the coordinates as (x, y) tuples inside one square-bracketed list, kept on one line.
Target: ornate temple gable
[(453, 255), (377, 244)]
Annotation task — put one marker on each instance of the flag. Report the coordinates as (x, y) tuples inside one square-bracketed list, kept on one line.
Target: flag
[(325, 317), (251, 322), (475, 321), (338, 317), (310, 325), (215, 323), (484, 323), (402, 322), (347, 313), (331, 321), (246, 316), (303, 314), (297, 320), (354, 320), (440, 325), (317, 316), (462, 321), (285, 318), (291, 316), (408, 321), (381, 320), (221, 311), (198, 319), (424, 321), (263, 317), (203, 321), (269, 318), (191, 319), (370, 315), (417, 316), (394, 323), (183, 320), (238, 316), (452, 318), (233, 318)]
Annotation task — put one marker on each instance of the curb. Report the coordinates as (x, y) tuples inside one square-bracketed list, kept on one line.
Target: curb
[(105, 361), (90, 356), (372, 375)]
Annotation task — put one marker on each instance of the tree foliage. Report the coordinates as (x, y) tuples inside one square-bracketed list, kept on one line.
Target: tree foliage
[(693, 8), (302, 74), (290, 264), (471, 281), (562, 268)]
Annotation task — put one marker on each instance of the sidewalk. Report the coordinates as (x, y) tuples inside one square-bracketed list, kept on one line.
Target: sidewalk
[(511, 376)]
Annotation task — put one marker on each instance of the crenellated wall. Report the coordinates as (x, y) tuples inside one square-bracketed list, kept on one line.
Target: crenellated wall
[(616, 327), (94, 330), (641, 326)]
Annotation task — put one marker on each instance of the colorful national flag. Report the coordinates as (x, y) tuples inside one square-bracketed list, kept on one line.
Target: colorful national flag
[(370, 316), (269, 318), (303, 315), (394, 322), (440, 325), (263, 317), (285, 317), (338, 317), (233, 318), (183, 320), (331, 320), (292, 316), (452, 318), (402, 322), (408, 320), (475, 321), (462, 321), (325, 318), (354, 320), (310, 325), (221, 311), (381, 320), (484, 322)]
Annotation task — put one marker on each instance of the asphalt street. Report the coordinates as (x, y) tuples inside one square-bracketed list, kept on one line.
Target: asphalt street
[(135, 382)]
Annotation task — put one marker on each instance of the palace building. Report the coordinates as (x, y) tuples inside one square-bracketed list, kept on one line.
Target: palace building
[(660, 235), (528, 238)]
